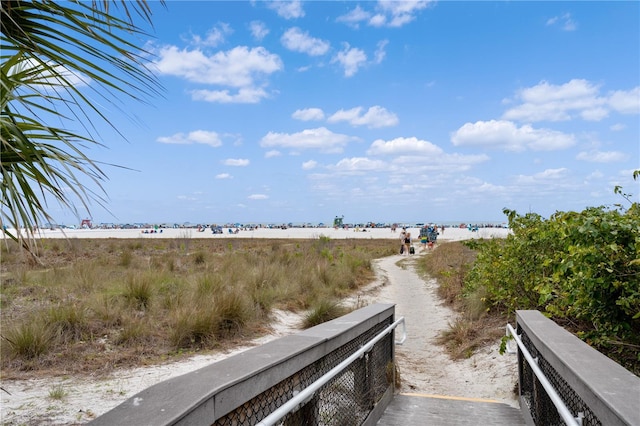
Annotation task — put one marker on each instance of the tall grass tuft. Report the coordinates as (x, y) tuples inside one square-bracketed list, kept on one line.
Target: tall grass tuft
[(459, 339), (107, 308), (57, 392), (126, 257), (199, 258), (69, 321), (233, 310), (134, 330), (323, 311), (450, 263), (138, 291), (192, 326), (27, 340)]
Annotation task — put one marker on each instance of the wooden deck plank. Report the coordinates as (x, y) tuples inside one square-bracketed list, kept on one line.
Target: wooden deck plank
[(410, 410)]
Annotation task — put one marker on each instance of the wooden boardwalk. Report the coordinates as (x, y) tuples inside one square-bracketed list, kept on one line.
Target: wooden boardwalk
[(419, 409)]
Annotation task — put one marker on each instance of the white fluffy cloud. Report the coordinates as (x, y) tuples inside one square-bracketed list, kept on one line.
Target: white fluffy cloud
[(308, 114), (626, 102), (236, 162), (298, 41), (287, 9), (258, 197), (351, 59), (547, 175), (602, 156), (385, 13), (309, 165), (258, 30), (508, 136), (359, 164), (577, 98), (321, 139), (214, 37), (247, 95), (402, 146), (565, 22), (242, 68), (375, 117), (237, 67), (195, 137)]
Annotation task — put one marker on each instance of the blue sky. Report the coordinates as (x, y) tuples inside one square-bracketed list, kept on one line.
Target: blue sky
[(379, 111)]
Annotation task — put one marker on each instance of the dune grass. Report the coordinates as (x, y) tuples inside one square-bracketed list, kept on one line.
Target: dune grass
[(93, 305), (476, 325)]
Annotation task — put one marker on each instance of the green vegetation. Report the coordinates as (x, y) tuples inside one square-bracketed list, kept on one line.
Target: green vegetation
[(323, 311), (475, 327), (581, 269), (100, 304), (50, 53), (57, 392)]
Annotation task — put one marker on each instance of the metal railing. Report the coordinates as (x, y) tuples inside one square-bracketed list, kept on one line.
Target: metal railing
[(563, 411), (306, 395)]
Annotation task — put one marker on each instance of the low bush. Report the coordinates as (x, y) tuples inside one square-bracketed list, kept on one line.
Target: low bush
[(582, 269)]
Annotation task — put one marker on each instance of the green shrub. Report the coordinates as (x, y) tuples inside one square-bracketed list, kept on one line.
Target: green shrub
[(582, 267)]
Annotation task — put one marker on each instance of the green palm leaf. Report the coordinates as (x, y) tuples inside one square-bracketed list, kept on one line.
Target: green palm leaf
[(55, 57)]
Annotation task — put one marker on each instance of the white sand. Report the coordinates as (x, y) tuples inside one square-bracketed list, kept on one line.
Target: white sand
[(424, 366), (450, 234)]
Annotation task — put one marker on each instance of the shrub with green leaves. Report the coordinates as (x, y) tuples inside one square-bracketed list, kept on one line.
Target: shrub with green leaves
[(581, 268)]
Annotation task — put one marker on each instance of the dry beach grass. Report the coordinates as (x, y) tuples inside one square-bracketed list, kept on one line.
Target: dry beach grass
[(104, 304)]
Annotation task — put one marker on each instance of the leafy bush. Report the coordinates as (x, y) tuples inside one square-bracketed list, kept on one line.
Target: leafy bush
[(580, 268)]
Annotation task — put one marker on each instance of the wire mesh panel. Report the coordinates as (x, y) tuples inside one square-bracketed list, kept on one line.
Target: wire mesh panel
[(540, 406), (345, 400)]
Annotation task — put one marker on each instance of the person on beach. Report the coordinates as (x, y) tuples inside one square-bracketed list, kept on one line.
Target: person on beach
[(403, 234), (407, 243)]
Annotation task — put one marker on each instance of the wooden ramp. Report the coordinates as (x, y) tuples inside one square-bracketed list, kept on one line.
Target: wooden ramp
[(419, 409)]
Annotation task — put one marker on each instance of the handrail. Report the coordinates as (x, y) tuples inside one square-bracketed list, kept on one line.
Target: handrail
[(404, 331), (307, 393), (564, 412)]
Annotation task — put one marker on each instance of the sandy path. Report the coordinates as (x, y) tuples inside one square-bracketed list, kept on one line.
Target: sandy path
[(424, 365)]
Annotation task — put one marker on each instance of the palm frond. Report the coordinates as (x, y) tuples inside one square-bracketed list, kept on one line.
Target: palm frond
[(55, 55)]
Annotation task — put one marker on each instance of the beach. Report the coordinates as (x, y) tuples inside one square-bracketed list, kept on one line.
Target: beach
[(449, 234)]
